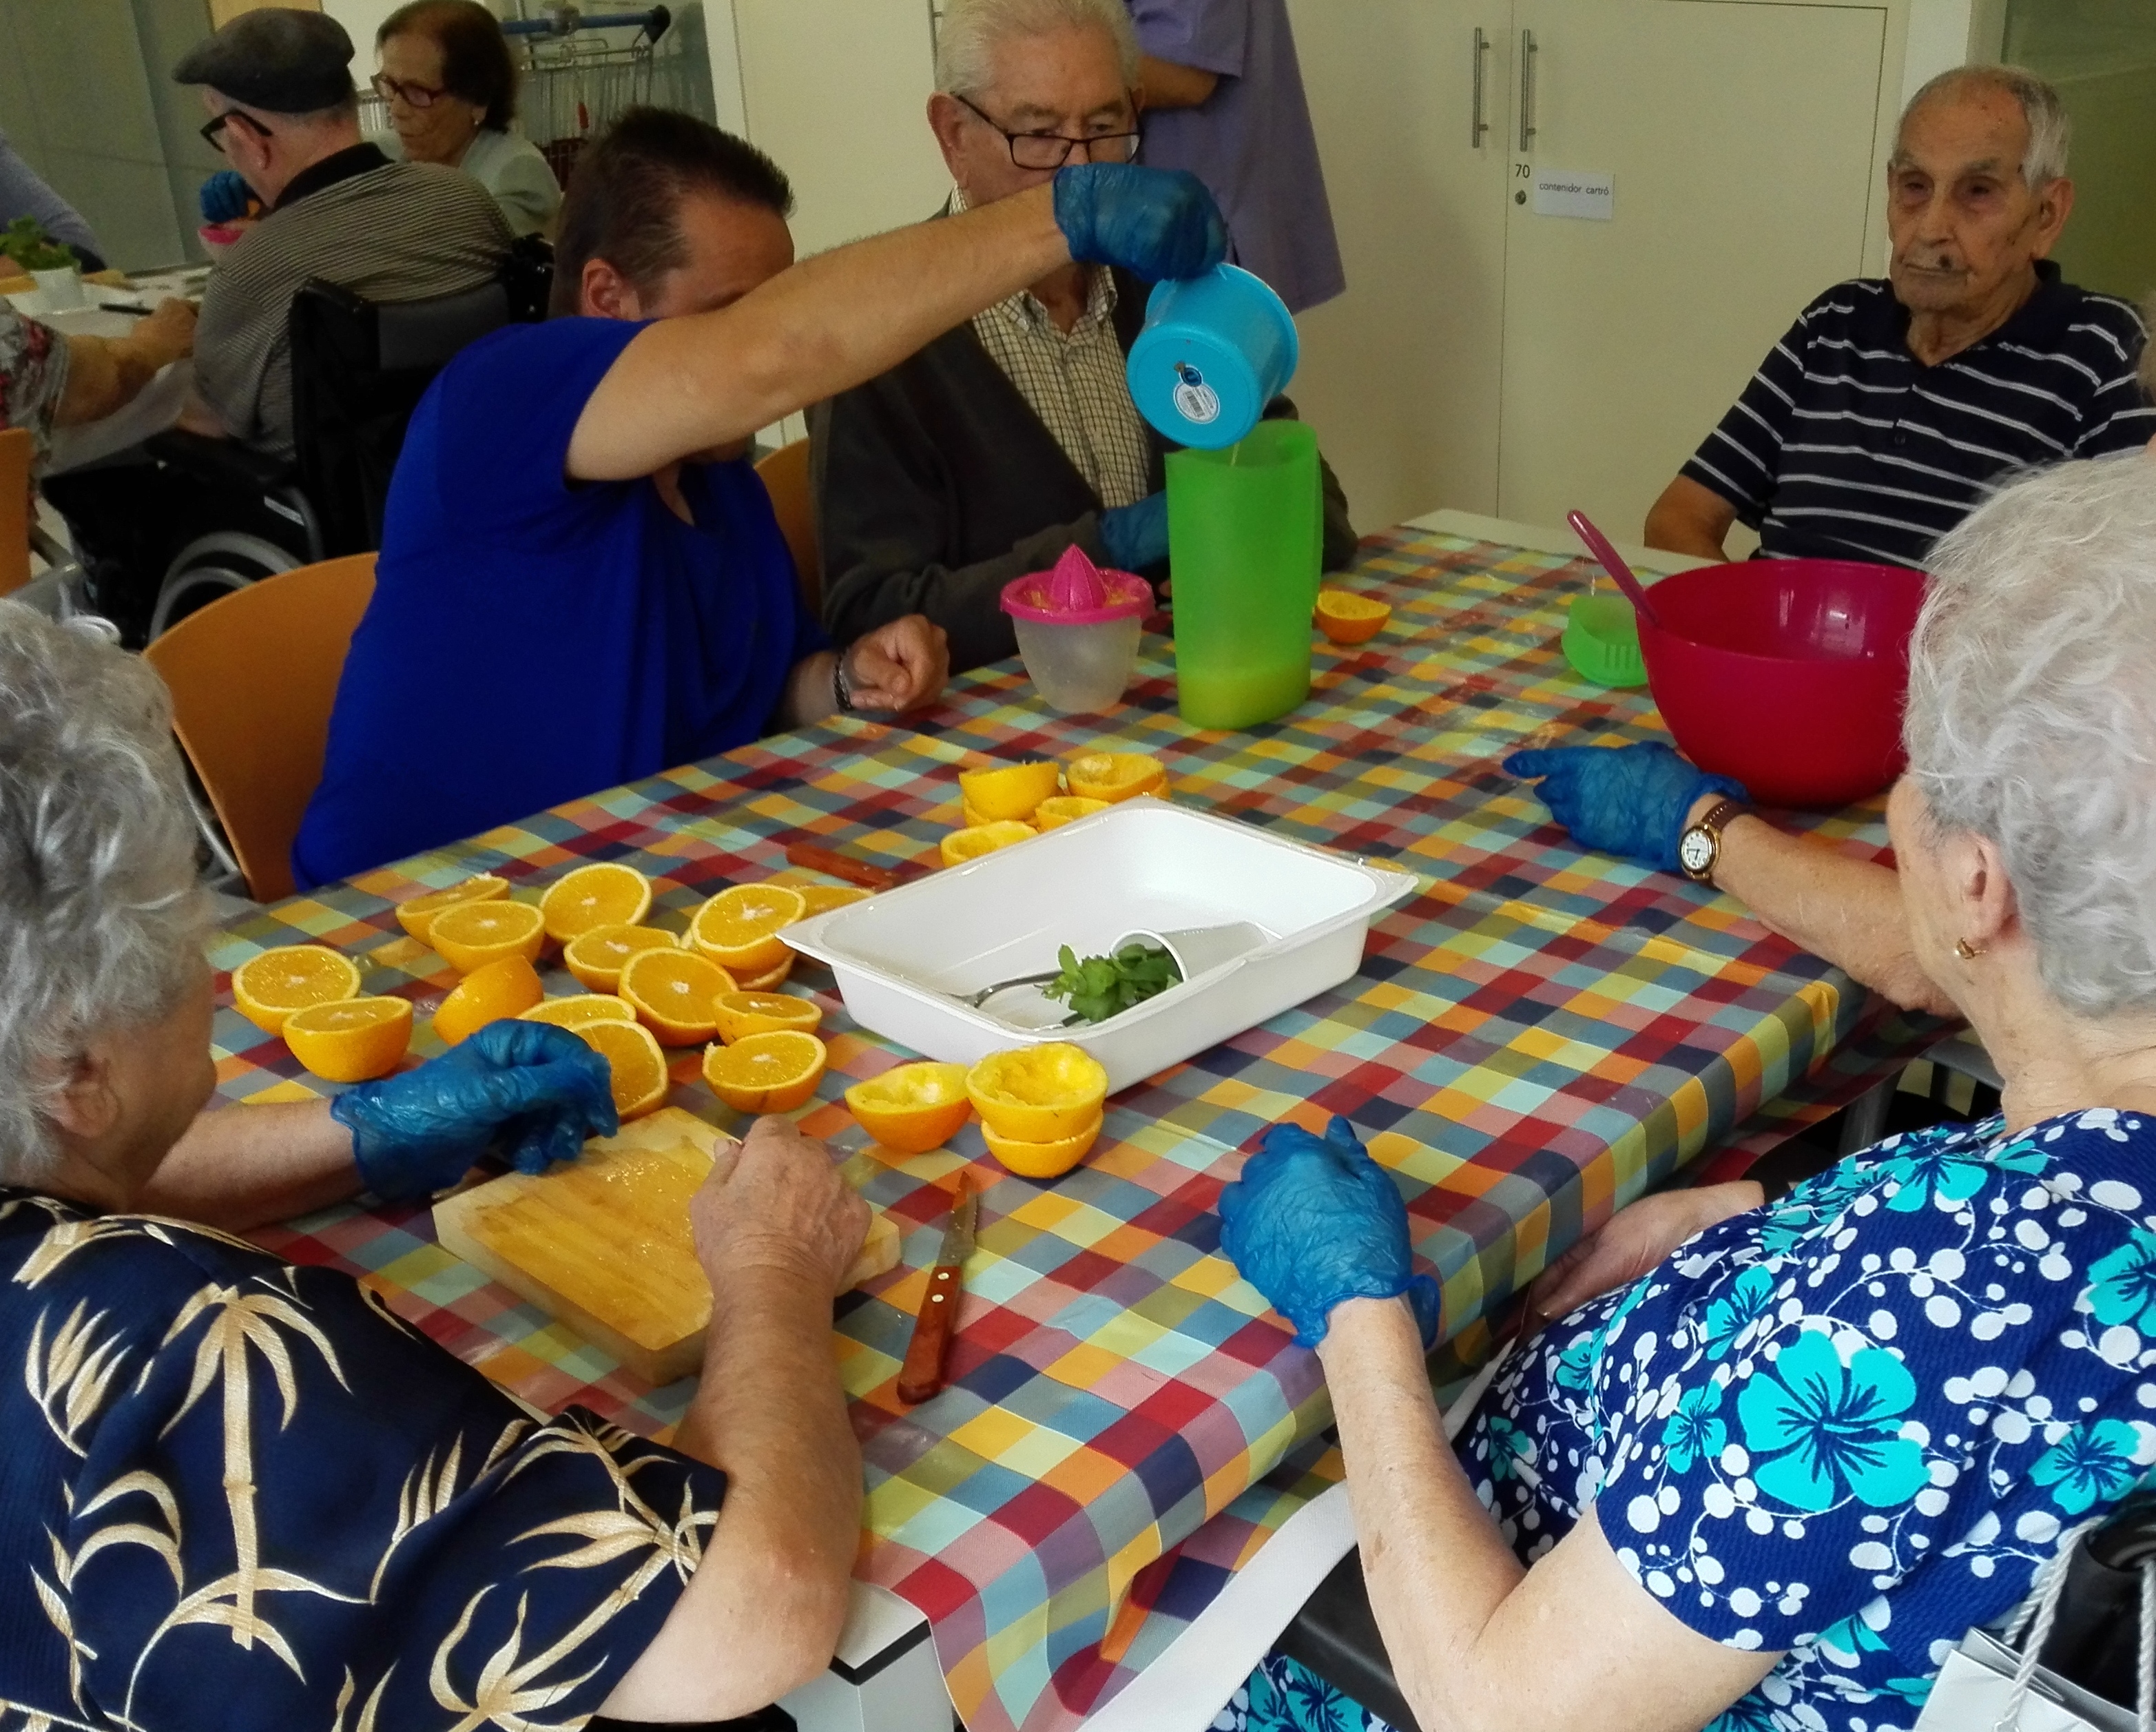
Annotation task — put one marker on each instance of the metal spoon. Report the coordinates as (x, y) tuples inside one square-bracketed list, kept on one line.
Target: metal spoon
[(974, 1001)]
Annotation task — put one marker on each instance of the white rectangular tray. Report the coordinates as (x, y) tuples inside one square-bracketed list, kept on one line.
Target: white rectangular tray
[(1142, 865)]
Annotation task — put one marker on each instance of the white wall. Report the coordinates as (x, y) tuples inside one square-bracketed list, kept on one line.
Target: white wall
[(361, 19)]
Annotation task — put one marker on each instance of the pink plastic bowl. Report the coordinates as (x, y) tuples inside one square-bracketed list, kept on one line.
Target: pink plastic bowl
[(1787, 674)]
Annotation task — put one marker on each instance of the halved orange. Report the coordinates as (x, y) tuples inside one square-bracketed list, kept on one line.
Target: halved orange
[(675, 994), (473, 934), (417, 916), (971, 818), (822, 898), (1010, 790), (268, 988), (507, 986), (1065, 809), (595, 958), (912, 1108), (1043, 1161), (350, 1040), (742, 1014), (771, 979), (579, 1008), (1347, 617), (1117, 776), (738, 928), (605, 894), (962, 846), (1038, 1094), (767, 1073), (639, 1067)]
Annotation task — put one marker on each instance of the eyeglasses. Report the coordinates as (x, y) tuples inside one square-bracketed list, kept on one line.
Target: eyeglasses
[(213, 133), (412, 95), (1052, 149)]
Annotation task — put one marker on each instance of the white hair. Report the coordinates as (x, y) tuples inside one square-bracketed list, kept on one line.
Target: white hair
[(101, 919), (2049, 131), (2032, 715), (972, 30)]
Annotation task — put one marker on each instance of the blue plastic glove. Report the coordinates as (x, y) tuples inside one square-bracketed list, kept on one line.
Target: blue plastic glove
[(1134, 536), (1631, 800), (1155, 223), (537, 1090), (1313, 1222), (224, 196)]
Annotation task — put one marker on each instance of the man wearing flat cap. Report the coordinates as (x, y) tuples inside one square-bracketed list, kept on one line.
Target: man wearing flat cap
[(278, 86)]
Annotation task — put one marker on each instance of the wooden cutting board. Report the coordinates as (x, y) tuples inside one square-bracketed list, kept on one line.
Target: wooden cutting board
[(602, 1245)]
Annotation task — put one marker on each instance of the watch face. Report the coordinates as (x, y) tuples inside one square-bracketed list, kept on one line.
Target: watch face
[(1696, 848)]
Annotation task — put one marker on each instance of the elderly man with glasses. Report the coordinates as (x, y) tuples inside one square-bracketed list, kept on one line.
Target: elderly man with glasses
[(284, 114), (1014, 437)]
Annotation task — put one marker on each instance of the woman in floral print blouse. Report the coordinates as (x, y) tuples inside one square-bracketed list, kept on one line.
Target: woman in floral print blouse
[(1778, 1459), (237, 1493)]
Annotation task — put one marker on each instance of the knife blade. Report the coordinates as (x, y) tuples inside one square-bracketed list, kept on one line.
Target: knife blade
[(921, 1374)]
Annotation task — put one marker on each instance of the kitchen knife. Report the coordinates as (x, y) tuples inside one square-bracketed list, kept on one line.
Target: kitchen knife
[(922, 1375)]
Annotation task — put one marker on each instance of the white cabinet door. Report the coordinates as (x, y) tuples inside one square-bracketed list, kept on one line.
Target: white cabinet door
[(1740, 136), (836, 93), (1399, 375)]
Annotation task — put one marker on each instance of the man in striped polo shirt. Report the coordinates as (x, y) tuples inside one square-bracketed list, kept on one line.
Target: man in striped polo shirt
[(1891, 409)]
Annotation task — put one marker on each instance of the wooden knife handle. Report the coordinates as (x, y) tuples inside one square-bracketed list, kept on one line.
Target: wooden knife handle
[(851, 867), (922, 1375)]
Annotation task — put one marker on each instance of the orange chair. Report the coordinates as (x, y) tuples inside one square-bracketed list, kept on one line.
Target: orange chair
[(253, 675), (14, 509), (785, 474)]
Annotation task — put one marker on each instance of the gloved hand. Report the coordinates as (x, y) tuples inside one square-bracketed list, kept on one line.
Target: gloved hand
[(537, 1090), (1155, 223), (1631, 800), (224, 196), (1134, 536), (1313, 1222)]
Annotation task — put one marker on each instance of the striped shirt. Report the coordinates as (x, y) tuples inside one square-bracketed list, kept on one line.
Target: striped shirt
[(1075, 382), (1845, 446), (387, 231)]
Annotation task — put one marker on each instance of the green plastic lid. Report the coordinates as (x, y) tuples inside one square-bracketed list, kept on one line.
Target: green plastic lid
[(1602, 642)]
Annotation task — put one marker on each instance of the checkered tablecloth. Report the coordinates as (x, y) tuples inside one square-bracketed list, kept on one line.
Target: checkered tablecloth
[(1536, 1037)]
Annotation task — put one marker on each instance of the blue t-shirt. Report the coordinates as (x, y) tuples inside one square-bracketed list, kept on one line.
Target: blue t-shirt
[(531, 641), (1852, 1426)]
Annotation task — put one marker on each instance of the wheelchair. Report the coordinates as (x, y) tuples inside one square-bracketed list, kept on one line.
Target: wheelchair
[(169, 526)]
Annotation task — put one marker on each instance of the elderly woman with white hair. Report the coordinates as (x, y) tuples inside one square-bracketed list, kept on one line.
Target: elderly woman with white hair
[(1771, 1473), (241, 1494)]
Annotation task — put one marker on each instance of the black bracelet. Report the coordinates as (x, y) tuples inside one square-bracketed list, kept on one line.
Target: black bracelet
[(842, 688)]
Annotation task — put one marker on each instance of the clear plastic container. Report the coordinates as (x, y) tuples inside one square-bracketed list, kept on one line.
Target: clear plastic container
[(1078, 629)]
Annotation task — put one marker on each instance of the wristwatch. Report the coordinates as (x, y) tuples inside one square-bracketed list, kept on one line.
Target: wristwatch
[(1700, 847), (842, 687)]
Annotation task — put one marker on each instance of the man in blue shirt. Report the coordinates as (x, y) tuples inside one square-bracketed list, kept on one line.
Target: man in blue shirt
[(581, 582)]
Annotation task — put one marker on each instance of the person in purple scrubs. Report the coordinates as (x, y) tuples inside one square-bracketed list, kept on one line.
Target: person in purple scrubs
[(1223, 99)]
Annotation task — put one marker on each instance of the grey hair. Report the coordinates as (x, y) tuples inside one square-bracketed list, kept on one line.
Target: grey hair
[(2032, 718), (101, 920), (2050, 130), (972, 30)]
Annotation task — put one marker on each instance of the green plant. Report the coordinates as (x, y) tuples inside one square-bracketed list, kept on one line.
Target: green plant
[(31, 249), (1104, 986)]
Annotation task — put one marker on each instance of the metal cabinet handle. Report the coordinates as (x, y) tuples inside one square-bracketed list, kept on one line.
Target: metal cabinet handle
[(1526, 89), (1482, 125)]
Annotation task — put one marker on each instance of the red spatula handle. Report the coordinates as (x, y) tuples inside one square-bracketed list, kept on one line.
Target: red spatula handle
[(839, 864), (922, 1375)]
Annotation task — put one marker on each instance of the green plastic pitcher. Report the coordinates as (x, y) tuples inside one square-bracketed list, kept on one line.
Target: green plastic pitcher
[(1245, 534)]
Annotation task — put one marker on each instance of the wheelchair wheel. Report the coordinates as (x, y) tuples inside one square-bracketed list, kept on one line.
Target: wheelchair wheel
[(213, 566)]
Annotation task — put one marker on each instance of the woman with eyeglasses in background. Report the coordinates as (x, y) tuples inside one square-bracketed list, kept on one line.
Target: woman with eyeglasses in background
[(451, 90)]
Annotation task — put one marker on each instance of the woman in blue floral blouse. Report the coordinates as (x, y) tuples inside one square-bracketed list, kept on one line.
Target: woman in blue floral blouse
[(1777, 1460)]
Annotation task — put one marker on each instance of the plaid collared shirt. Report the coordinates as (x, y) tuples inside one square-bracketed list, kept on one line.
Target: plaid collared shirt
[(1074, 382)]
